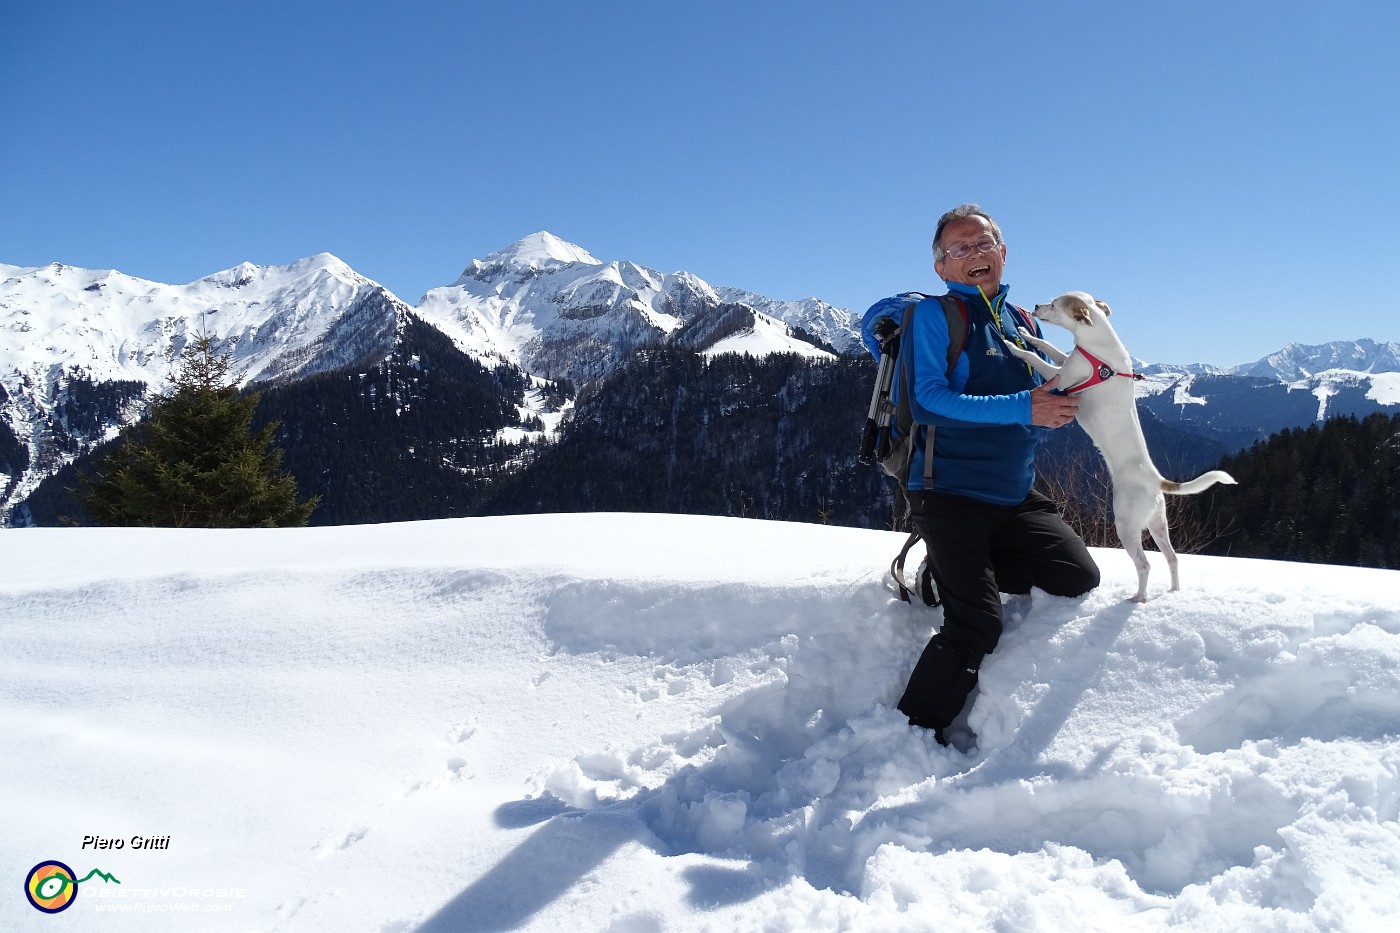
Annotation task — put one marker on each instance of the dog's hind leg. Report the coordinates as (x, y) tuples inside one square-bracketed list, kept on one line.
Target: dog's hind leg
[(1157, 527), (1131, 537)]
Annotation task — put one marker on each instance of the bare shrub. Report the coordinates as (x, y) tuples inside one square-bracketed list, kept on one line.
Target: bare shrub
[(1077, 480)]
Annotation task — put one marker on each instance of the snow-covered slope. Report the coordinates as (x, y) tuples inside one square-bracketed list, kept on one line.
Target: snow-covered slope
[(552, 723), (1383, 388), (836, 327), (552, 308)]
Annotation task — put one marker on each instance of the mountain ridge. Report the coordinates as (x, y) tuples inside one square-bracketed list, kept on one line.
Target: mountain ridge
[(82, 345), (666, 300)]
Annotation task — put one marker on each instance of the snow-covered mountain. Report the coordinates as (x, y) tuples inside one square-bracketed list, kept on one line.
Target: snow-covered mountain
[(1306, 366), (314, 315), (554, 309), (541, 303), (1293, 388), (81, 346), (70, 331), (1298, 362)]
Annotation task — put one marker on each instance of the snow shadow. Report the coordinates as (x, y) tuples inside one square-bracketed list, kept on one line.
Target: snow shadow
[(1021, 736), (537, 872)]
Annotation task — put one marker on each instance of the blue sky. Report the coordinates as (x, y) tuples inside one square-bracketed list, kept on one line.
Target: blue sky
[(1226, 175)]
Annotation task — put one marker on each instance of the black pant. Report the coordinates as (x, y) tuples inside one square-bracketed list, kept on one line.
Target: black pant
[(978, 550)]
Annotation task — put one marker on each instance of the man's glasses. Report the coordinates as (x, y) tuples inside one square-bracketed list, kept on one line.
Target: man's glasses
[(983, 244)]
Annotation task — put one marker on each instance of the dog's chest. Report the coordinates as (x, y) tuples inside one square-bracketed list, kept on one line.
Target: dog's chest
[(1107, 411), (1076, 371)]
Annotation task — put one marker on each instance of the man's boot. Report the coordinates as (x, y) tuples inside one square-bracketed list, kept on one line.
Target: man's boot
[(942, 680)]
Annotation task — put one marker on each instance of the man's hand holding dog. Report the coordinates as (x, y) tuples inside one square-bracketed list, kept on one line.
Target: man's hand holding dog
[(1051, 410)]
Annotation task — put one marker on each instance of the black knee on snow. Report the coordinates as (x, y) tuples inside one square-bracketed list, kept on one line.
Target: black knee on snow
[(1077, 583)]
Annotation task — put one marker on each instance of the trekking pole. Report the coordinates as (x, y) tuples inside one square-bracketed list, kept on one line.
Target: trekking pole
[(872, 425), (878, 415)]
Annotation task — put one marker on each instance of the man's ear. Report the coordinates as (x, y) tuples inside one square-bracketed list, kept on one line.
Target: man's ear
[(1103, 307)]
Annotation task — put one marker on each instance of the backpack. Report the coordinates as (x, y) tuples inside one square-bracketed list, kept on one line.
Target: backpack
[(890, 429)]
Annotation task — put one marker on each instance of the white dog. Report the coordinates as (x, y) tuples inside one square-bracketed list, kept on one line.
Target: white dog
[(1100, 372)]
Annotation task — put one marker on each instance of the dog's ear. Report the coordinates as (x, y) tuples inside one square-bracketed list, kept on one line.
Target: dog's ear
[(1078, 310), (1103, 307)]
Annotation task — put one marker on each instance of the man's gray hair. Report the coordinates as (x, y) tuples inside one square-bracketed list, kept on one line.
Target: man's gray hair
[(961, 212)]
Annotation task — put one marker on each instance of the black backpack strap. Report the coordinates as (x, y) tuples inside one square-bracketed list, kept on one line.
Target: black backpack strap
[(955, 309), (897, 565), (927, 590)]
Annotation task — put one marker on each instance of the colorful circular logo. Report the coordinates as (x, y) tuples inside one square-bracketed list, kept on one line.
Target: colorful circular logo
[(51, 887)]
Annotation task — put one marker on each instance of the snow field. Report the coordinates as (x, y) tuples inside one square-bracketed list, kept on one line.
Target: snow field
[(645, 723)]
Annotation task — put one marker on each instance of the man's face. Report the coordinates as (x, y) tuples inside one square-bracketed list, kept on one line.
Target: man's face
[(976, 268)]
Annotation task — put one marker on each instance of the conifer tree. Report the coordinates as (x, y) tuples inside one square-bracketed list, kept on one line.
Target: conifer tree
[(194, 462)]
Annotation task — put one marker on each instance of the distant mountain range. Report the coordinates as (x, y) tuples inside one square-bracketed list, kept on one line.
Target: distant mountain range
[(548, 319), (541, 304), (1297, 386)]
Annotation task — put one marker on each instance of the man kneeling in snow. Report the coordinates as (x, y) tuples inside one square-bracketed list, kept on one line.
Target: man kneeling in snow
[(986, 530)]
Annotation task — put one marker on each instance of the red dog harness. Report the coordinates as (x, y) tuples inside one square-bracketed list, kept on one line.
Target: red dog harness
[(1102, 373)]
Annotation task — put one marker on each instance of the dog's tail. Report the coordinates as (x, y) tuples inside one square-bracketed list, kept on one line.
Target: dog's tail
[(1199, 484)]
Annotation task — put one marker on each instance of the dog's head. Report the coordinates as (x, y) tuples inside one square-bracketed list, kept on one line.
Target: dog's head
[(1073, 310)]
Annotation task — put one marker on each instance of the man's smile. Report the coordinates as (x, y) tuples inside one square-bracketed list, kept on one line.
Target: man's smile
[(981, 255)]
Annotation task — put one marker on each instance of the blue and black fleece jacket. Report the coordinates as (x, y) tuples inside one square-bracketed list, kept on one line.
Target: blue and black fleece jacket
[(984, 442)]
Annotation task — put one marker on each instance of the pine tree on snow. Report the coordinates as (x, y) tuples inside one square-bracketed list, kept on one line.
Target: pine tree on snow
[(194, 461)]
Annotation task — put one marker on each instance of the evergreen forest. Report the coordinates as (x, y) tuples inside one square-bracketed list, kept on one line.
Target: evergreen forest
[(1329, 493), (775, 437)]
